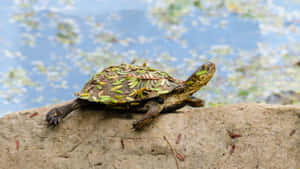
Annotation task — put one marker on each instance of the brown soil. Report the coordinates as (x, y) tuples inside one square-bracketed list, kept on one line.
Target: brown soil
[(240, 136)]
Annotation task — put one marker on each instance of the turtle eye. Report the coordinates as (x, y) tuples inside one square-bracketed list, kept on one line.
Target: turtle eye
[(203, 78)]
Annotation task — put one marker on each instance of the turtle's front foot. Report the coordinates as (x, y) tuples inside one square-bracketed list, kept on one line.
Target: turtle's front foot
[(53, 117), (154, 108), (140, 124)]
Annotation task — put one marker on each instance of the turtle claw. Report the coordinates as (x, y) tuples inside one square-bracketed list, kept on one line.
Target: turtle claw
[(154, 108), (137, 125), (56, 115), (53, 117)]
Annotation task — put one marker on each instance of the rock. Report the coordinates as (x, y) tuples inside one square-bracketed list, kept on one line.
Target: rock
[(230, 136), (297, 63), (284, 97)]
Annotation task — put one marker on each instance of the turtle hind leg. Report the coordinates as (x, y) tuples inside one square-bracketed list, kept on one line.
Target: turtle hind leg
[(153, 110), (56, 114), (195, 102)]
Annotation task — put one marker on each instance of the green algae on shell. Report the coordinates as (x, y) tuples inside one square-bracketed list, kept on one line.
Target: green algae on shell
[(127, 83)]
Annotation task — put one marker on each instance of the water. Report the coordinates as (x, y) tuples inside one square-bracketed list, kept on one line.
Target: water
[(49, 50)]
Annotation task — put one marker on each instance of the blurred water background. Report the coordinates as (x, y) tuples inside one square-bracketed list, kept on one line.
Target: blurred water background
[(49, 49)]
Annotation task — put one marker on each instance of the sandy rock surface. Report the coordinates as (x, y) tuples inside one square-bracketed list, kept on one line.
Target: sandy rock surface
[(250, 136)]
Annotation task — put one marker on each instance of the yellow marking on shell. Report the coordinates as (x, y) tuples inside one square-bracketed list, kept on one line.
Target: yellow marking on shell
[(84, 97), (140, 92), (100, 93), (133, 83), (151, 69), (122, 73), (119, 97), (122, 101), (162, 92), (105, 99), (102, 83), (133, 93), (84, 94), (99, 87), (100, 73), (113, 100), (117, 83), (116, 88), (115, 69), (95, 98), (109, 77), (134, 104), (118, 107), (118, 91), (130, 98), (132, 67)]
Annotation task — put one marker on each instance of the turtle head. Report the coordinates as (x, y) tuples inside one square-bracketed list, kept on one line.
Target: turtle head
[(200, 77)]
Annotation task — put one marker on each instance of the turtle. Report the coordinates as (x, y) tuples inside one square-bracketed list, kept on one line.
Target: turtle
[(133, 88)]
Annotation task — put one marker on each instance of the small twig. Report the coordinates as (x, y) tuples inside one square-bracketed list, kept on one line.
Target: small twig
[(90, 162), (180, 156), (17, 145), (178, 138), (173, 150), (33, 114), (232, 149), (122, 144), (233, 135), (292, 132)]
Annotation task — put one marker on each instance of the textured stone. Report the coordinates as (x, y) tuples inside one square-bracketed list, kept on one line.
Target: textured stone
[(270, 138)]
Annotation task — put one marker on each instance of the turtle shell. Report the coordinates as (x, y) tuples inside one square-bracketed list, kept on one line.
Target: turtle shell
[(127, 83)]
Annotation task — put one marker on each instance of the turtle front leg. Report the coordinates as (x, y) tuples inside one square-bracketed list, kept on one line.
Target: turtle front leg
[(56, 114), (153, 110), (195, 102)]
